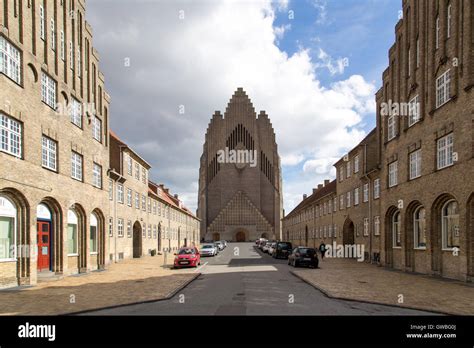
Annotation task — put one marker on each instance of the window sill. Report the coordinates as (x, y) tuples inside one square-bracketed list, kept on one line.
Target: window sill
[(72, 255), (50, 169), (448, 166), (94, 253), (420, 248), (15, 82), (8, 260), (396, 247)]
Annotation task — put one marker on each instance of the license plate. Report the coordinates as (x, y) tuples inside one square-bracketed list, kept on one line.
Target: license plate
[(307, 259), (184, 262)]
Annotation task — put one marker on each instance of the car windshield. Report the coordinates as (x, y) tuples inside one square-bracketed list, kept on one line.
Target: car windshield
[(307, 251), (284, 245), (186, 252), (208, 246)]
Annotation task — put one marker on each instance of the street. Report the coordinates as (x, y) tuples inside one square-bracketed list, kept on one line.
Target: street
[(243, 281)]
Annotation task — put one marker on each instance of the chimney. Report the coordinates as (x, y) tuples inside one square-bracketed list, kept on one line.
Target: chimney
[(314, 190), (320, 186), (176, 196), (305, 196), (326, 182)]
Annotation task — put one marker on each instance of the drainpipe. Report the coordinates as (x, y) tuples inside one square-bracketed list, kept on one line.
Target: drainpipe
[(369, 182)]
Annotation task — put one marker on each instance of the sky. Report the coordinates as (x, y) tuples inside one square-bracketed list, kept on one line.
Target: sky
[(313, 65)]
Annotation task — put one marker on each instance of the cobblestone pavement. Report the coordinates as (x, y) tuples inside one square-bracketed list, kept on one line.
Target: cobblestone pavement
[(127, 282), (349, 279)]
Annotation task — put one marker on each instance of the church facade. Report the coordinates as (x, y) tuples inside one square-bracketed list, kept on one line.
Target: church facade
[(240, 186)]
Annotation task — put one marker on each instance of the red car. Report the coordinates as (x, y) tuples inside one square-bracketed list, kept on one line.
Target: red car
[(187, 257)]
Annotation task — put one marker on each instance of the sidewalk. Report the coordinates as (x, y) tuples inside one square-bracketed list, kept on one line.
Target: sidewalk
[(127, 282), (352, 280)]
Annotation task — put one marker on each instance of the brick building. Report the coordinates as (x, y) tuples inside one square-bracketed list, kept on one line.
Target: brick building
[(240, 201), (418, 161)]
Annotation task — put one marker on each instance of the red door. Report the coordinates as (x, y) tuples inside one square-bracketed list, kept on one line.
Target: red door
[(44, 249)]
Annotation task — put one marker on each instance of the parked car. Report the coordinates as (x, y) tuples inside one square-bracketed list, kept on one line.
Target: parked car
[(219, 245), (208, 250), (282, 250), (187, 257), (223, 243), (266, 247), (271, 248), (303, 256)]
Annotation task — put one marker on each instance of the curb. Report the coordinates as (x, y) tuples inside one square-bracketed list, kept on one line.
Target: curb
[(167, 297), (327, 294)]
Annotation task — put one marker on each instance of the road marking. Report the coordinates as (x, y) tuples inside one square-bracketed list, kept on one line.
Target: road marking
[(213, 269), (197, 269)]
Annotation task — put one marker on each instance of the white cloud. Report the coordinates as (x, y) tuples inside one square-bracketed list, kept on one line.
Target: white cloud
[(199, 62), (334, 66)]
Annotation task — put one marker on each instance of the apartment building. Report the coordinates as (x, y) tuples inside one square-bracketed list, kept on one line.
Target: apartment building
[(427, 148), (418, 162), (144, 217), (54, 145), (358, 192), (313, 221)]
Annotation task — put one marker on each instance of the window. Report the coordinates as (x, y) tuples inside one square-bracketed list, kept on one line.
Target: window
[(144, 175), (7, 229), (366, 192), (154, 232), (341, 202), (63, 46), (437, 33), (366, 226), (419, 228), (348, 199), (356, 164), (143, 202), (445, 151), (396, 232), (393, 174), (53, 35), (415, 164), (356, 196), (391, 127), (329, 206), (120, 193), (130, 165), (137, 200), (129, 229), (335, 204), (413, 111), (111, 190), (79, 66), (154, 207), (376, 188), (348, 169), (341, 173), (443, 89), (149, 231), (377, 225), (71, 55), (97, 175), (97, 129), (137, 171), (10, 60), (120, 227), (448, 22), (72, 223), (76, 166), (42, 22), (48, 149), (409, 62), (149, 205), (111, 227), (144, 231), (417, 53), (129, 197), (450, 225), (93, 234), (76, 112), (10, 135), (48, 90)]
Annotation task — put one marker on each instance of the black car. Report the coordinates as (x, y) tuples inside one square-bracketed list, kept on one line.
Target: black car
[(282, 250), (303, 256)]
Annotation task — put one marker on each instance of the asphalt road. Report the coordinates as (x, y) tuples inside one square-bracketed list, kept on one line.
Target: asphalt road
[(243, 281)]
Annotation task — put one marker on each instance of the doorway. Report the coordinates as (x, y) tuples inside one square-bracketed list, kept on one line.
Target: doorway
[(137, 240)]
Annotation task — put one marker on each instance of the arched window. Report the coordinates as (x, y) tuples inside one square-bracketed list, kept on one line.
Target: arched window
[(396, 232), (8, 214), (450, 225), (72, 226), (419, 228), (93, 234)]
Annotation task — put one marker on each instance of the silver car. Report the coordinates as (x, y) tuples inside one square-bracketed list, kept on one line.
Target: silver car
[(208, 250)]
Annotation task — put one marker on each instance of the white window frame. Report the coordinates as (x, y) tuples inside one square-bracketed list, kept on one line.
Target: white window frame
[(415, 164), (377, 226), (111, 190), (348, 199), (416, 226), (396, 235), (437, 32), (76, 112), (130, 165), (11, 214), (391, 127), (10, 60), (49, 149), (120, 193), (53, 35), (129, 229), (97, 129), (393, 174), (11, 132), (444, 222), (413, 110), (366, 226), (377, 188), (356, 196), (445, 151), (348, 169), (366, 192), (48, 90), (42, 23), (120, 227), (443, 88), (77, 162), (63, 45), (356, 163), (97, 175), (448, 21), (137, 200), (129, 197)]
